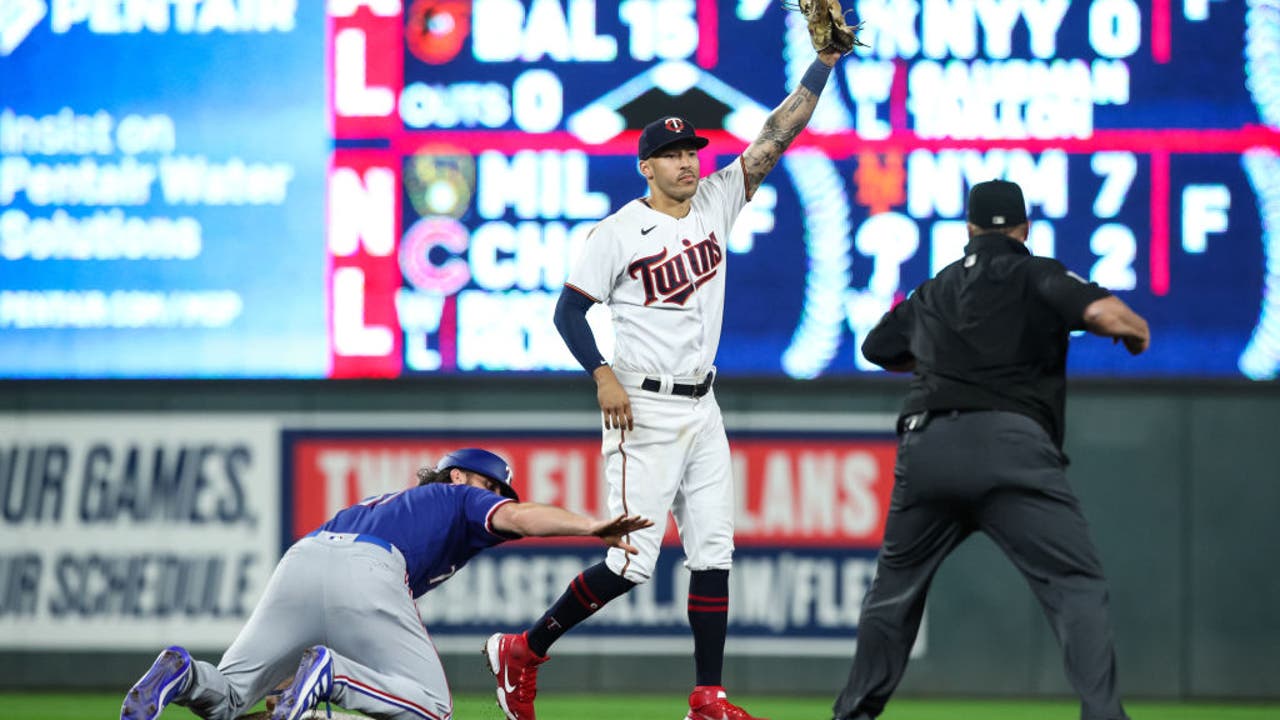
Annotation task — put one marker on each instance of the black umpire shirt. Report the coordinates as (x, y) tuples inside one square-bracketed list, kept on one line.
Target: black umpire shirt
[(989, 332)]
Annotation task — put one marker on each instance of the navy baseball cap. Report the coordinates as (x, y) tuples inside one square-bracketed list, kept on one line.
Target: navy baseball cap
[(996, 204), (484, 463), (666, 131)]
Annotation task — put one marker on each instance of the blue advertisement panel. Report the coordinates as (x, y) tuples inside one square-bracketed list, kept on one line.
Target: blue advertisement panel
[(161, 189), (782, 601)]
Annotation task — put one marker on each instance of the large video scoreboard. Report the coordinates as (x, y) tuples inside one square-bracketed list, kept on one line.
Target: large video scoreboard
[(380, 188)]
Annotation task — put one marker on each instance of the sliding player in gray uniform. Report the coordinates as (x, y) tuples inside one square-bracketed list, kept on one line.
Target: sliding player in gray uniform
[(342, 598), (658, 263)]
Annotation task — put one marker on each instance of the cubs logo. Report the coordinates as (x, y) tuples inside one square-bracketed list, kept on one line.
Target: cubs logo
[(674, 124), (673, 279)]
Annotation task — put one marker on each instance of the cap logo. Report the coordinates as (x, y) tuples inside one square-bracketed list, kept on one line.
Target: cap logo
[(997, 219), (674, 124)]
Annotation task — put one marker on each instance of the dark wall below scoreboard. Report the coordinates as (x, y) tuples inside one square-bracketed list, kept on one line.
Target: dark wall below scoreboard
[(1180, 483)]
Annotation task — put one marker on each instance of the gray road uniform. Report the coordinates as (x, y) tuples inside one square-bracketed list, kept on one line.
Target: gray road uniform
[(351, 586)]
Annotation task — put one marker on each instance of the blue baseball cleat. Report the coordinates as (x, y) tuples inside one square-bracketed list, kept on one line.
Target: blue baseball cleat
[(311, 684), (169, 675)]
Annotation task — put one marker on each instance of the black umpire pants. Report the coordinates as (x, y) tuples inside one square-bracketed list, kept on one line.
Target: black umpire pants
[(998, 473)]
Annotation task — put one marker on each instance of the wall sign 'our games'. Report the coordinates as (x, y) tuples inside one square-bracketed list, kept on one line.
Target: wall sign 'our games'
[(127, 532), (389, 188)]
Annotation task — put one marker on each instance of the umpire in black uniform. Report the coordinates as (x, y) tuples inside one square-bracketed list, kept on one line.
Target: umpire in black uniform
[(981, 449)]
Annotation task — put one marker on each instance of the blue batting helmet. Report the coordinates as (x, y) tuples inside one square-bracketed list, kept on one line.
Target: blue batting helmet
[(484, 463)]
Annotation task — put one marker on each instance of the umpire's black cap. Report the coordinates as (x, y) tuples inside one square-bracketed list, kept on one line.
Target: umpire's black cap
[(996, 204), (665, 131)]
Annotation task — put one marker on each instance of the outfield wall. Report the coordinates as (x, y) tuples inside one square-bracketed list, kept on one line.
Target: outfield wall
[(1179, 482)]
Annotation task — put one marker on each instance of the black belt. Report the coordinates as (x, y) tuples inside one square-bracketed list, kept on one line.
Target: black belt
[(702, 388), (912, 422), (916, 422)]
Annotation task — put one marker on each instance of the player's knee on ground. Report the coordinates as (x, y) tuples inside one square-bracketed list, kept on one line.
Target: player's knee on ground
[(441, 710), (435, 708), (438, 702)]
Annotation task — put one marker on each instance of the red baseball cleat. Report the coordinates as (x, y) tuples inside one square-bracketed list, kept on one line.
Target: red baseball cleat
[(710, 702), (516, 669)]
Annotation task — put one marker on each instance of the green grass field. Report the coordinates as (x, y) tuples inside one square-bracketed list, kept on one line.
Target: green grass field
[(663, 707)]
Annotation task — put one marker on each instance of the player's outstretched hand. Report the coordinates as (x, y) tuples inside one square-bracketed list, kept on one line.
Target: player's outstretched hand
[(615, 404), (612, 531)]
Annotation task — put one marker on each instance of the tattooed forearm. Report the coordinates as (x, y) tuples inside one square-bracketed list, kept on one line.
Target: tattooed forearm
[(780, 129)]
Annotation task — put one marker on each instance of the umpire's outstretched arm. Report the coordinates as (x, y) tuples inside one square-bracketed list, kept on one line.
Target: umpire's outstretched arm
[(1111, 317)]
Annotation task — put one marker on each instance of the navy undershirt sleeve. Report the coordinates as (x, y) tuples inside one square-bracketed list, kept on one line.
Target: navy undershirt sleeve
[(571, 321)]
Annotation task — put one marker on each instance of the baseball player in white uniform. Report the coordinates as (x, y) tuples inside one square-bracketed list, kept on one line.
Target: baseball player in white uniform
[(659, 264)]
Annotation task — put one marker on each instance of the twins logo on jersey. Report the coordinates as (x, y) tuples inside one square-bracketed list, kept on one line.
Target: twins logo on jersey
[(673, 279)]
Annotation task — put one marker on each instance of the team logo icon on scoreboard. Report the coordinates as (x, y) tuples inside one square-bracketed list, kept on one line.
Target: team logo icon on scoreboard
[(440, 181), (435, 30)]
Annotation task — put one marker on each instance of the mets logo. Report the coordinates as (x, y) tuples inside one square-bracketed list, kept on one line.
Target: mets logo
[(674, 124), (673, 279)]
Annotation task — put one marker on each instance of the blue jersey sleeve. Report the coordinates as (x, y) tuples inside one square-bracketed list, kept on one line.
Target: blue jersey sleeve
[(478, 507)]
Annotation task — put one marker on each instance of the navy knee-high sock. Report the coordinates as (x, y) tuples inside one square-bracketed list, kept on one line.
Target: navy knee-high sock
[(709, 620), (588, 592)]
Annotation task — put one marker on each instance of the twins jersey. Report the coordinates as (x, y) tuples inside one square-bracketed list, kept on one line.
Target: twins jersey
[(437, 527), (663, 277)]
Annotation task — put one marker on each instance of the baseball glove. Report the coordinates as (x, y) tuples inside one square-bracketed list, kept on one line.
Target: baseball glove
[(827, 28)]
